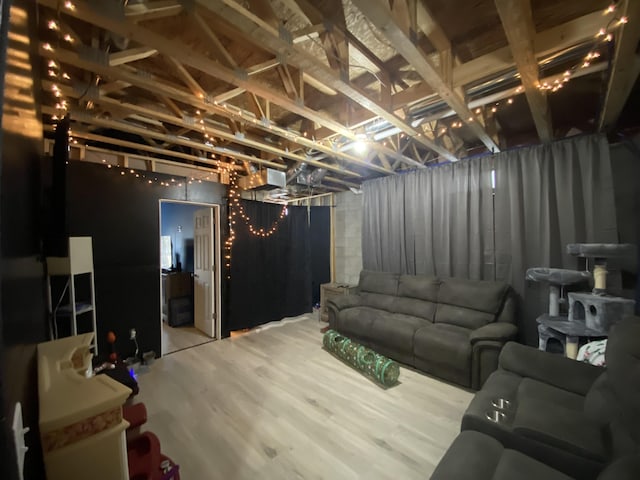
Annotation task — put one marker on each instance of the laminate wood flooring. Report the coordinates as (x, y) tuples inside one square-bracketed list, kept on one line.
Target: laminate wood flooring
[(274, 405), (179, 338)]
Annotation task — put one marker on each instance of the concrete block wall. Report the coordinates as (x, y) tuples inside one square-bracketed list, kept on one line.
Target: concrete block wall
[(348, 237)]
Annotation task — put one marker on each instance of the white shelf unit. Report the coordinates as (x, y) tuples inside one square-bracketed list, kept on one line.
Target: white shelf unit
[(79, 262)]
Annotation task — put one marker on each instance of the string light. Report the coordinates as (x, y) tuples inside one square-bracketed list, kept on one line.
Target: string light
[(236, 209)]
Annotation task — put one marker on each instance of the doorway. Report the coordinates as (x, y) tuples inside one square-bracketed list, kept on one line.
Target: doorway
[(190, 283)]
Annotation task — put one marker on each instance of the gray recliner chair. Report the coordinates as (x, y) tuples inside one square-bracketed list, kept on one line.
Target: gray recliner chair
[(476, 456), (570, 416)]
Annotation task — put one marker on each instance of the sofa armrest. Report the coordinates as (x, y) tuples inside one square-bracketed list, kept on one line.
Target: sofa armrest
[(344, 301), (496, 331), (556, 370)]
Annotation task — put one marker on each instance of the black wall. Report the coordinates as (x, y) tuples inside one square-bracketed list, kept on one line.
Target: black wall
[(121, 213), (22, 312)]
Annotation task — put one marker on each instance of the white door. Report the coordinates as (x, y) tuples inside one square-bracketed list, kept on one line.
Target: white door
[(204, 285)]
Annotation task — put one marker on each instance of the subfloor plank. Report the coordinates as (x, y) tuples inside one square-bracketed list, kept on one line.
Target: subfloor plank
[(273, 404)]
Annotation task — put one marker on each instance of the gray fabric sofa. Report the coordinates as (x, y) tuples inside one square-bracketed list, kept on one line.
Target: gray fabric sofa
[(476, 456), (451, 328), (574, 418)]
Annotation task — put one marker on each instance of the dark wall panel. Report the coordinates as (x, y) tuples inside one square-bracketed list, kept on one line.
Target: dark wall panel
[(270, 276), (121, 213), (22, 313), (320, 237)]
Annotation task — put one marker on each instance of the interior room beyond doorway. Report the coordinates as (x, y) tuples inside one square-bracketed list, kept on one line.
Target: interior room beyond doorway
[(177, 234)]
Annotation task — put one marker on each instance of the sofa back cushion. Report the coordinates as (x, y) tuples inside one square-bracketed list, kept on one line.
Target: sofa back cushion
[(469, 303), (378, 289), (623, 371), (417, 296)]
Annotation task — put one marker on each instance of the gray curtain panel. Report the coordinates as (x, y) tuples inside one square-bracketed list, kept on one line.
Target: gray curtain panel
[(441, 221), (435, 221), (546, 197)]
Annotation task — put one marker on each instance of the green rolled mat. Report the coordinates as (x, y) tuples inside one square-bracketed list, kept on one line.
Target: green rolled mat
[(380, 368)]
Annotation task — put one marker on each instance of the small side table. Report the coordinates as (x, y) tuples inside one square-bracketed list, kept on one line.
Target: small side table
[(329, 291)]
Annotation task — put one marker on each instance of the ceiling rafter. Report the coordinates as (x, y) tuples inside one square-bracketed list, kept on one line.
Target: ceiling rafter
[(272, 40), (626, 66), (139, 146), (214, 42), (155, 86), (186, 77), (83, 117), (173, 48), (209, 129), (139, 12), (381, 16), (130, 55), (546, 42), (517, 22)]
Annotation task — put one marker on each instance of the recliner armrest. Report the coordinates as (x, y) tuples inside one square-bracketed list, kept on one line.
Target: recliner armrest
[(556, 370), (497, 332), (346, 301)]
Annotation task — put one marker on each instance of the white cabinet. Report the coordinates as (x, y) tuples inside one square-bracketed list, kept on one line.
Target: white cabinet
[(82, 429), (76, 267)]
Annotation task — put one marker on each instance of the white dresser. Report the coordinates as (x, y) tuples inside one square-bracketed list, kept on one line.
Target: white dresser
[(81, 425)]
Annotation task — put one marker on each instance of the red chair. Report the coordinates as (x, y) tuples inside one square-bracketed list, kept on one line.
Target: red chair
[(146, 461)]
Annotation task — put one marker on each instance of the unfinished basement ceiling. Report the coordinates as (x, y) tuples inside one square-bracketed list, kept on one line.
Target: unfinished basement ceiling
[(352, 89)]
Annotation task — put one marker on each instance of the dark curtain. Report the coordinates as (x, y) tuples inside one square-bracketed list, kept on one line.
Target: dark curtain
[(449, 221), (320, 238), (270, 276), (546, 197), (434, 221)]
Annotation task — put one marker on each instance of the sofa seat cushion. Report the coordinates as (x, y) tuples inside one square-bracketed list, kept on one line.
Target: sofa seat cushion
[(394, 333), (536, 390), (444, 350), (357, 322), (561, 428), (474, 456)]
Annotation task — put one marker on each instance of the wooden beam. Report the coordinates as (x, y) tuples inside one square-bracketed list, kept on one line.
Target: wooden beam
[(172, 48), (563, 36), (431, 28), (113, 87), (138, 146), (214, 42), (186, 77), (209, 129), (171, 105), (82, 117), (272, 40), (380, 15), (131, 55), (626, 66), (139, 12), (517, 22)]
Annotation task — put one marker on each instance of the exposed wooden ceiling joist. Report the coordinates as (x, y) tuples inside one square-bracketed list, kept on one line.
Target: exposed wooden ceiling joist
[(626, 65), (83, 117), (130, 55), (517, 21), (378, 12), (555, 39), (209, 129), (139, 12), (272, 39), (213, 41), (173, 48), (141, 147)]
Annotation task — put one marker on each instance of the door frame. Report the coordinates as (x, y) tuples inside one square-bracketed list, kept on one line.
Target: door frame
[(217, 253)]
